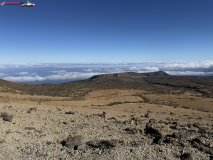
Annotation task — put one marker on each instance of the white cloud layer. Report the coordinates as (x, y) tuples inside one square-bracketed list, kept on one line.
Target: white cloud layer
[(2, 74), (59, 76), (74, 71), (22, 73)]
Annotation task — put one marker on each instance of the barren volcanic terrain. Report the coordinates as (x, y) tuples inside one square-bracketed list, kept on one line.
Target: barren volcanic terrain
[(113, 116)]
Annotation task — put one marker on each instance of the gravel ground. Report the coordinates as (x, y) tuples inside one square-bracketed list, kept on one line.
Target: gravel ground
[(38, 132)]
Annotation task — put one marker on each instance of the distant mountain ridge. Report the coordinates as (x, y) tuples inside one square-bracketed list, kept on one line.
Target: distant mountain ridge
[(114, 75), (158, 82), (159, 73)]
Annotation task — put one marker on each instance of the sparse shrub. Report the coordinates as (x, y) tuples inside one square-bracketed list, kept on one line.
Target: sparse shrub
[(6, 116)]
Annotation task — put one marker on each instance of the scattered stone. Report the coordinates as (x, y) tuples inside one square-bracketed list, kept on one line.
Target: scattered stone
[(176, 135), (170, 141), (135, 120), (186, 156), (104, 115), (70, 112), (2, 141), (203, 129), (175, 123), (6, 117), (30, 128), (159, 140), (197, 140), (157, 129), (126, 122), (107, 144), (199, 145), (48, 143), (197, 125), (32, 109), (58, 109), (153, 121), (147, 115), (190, 125), (161, 121), (75, 142), (184, 134), (113, 118), (175, 127), (131, 130)]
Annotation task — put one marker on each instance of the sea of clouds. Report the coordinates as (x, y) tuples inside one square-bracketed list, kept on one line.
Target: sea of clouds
[(37, 73)]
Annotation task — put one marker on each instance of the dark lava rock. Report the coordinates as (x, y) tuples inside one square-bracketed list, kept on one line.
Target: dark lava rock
[(203, 129), (147, 115), (186, 156), (131, 130), (170, 141), (165, 122), (197, 125), (176, 135), (106, 144), (30, 128), (6, 117), (75, 142), (32, 109), (202, 147), (176, 123), (197, 140), (184, 134), (2, 141), (190, 125), (69, 112), (135, 120), (159, 140), (65, 123)]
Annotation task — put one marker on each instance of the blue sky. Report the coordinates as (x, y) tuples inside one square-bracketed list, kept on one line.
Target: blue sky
[(107, 31), (62, 41)]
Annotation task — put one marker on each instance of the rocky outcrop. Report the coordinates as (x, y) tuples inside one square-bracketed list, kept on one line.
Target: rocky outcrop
[(115, 75), (159, 74)]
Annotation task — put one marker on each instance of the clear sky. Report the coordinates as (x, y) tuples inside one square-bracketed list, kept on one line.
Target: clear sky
[(90, 31)]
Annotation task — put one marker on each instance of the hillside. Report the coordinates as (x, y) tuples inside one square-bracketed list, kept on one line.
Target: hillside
[(158, 82)]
